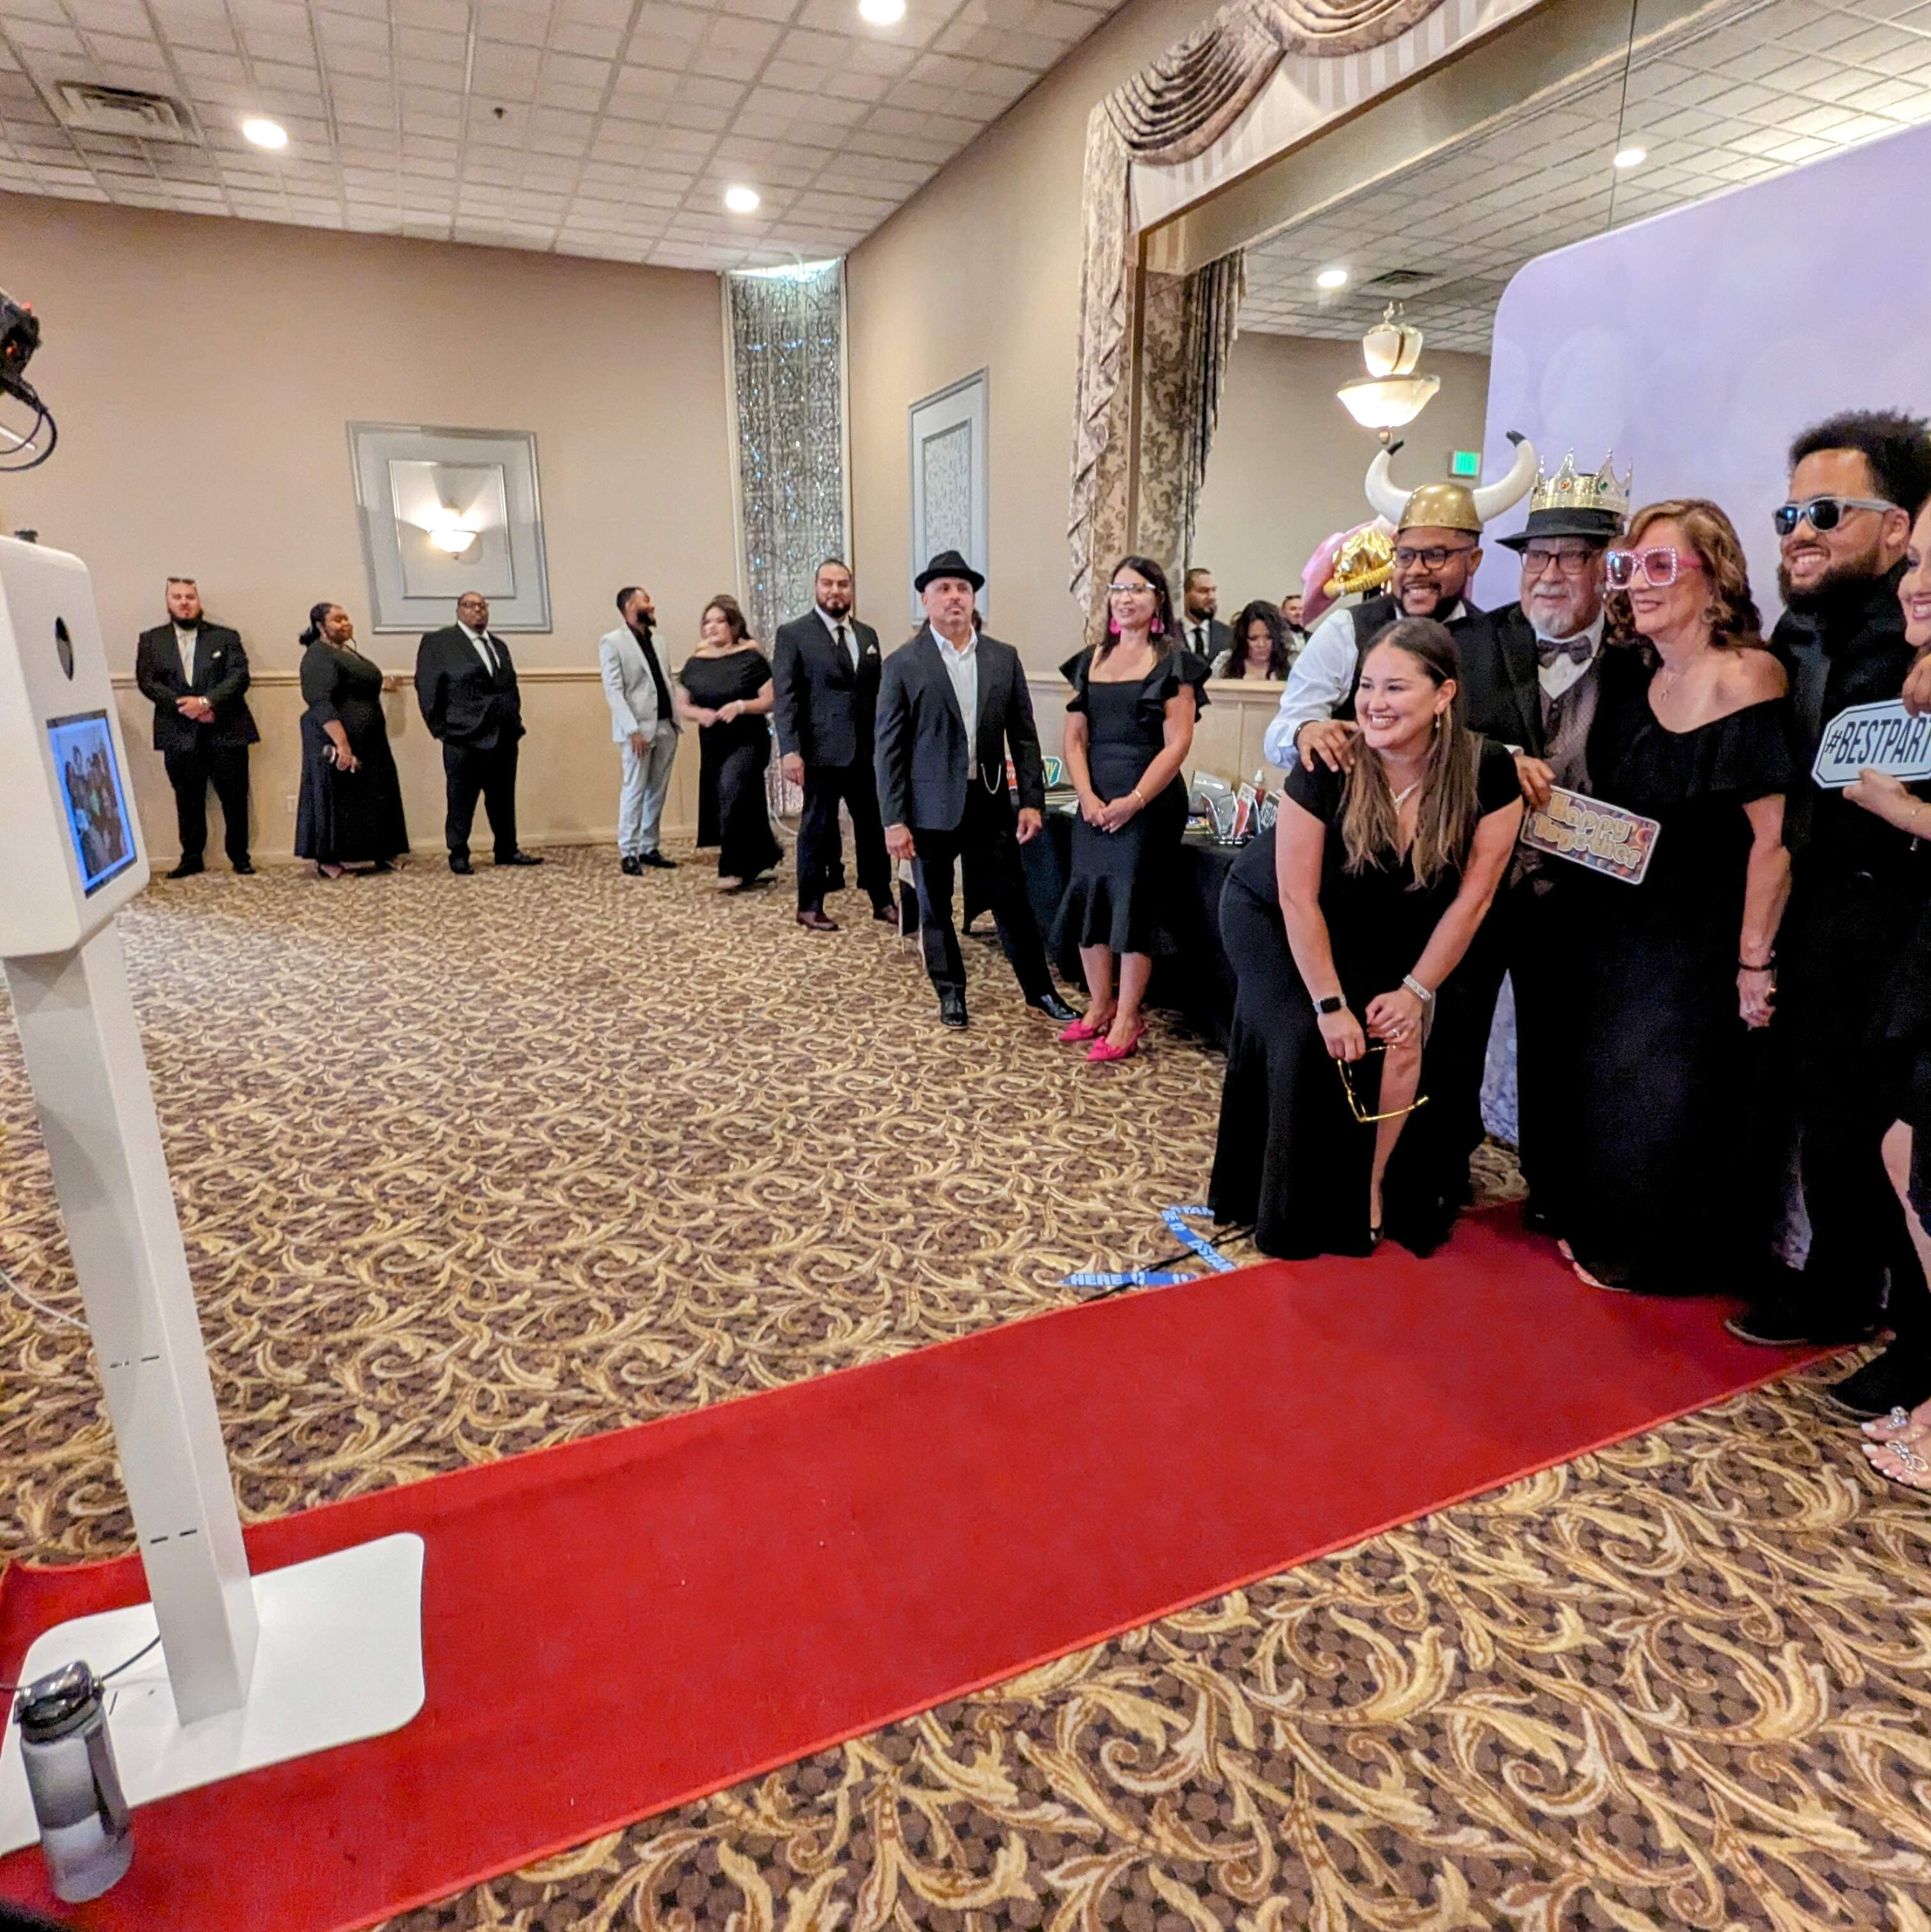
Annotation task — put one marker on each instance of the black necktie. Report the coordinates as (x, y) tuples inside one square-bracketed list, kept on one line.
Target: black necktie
[(489, 655)]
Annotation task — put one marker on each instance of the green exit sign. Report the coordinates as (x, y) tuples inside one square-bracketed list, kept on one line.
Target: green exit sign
[(1465, 463)]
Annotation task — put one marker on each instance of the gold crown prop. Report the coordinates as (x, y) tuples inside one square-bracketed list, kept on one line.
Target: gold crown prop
[(1569, 489)]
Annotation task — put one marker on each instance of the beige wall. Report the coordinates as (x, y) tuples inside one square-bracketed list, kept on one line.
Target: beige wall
[(1287, 461), (202, 371), (981, 270)]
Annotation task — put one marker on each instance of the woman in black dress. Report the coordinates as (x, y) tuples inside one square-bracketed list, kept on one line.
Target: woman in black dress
[(350, 810), (1262, 647), (1361, 900), (725, 689), (1673, 1195), (1130, 726)]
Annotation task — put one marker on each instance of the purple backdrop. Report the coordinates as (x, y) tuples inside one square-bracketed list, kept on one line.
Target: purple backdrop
[(1699, 342)]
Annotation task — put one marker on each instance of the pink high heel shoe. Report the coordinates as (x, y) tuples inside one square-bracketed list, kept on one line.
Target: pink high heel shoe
[(1104, 1050), (1083, 1029)]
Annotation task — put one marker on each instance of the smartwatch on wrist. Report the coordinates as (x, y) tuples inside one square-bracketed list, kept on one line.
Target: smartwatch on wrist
[(1334, 1003)]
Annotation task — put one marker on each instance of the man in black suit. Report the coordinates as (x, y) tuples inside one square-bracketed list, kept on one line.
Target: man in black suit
[(825, 671), (194, 673), (1206, 637), (467, 686), (950, 702)]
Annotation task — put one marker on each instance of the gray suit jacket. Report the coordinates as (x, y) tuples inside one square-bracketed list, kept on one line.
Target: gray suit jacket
[(922, 762), (628, 685)]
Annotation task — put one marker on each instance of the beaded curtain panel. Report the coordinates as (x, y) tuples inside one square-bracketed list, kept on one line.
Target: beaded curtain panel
[(466, 1167)]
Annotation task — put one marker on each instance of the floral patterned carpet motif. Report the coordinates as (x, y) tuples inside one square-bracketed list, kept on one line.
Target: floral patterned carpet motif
[(467, 1167)]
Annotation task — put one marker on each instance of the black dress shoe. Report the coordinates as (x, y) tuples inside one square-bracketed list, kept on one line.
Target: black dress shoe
[(245, 867), (657, 862), (1054, 1008), (1898, 1378), (521, 859), (632, 865), (187, 869), (1786, 1323), (952, 1009), (814, 918), (459, 864)]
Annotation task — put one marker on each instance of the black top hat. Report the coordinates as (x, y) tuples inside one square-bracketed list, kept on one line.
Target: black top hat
[(1599, 525), (949, 563)]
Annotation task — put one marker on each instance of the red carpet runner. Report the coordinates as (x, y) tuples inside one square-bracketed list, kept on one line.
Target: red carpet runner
[(621, 1624)]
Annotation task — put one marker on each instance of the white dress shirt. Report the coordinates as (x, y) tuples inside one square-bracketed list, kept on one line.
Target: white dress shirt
[(1320, 680), (841, 630), (485, 645), (1556, 676), (184, 642), (961, 663)]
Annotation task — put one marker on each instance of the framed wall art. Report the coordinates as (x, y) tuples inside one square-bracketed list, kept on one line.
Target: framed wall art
[(949, 480)]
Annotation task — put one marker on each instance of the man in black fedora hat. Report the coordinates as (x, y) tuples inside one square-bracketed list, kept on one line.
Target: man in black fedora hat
[(950, 703)]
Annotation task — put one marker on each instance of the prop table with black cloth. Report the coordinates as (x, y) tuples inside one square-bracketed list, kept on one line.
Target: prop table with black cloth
[(1193, 979)]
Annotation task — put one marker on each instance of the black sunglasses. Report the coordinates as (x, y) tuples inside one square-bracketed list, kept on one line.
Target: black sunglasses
[(1822, 513)]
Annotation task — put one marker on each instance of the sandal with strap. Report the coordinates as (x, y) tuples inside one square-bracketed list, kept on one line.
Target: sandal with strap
[(1900, 1425), (1913, 1471), (1087, 1028)]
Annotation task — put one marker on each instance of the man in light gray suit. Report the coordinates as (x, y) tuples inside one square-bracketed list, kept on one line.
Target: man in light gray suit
[(643, 723)]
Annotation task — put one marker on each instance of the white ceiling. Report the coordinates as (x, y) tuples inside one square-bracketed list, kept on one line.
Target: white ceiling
[(605, 127), (1757, 87)]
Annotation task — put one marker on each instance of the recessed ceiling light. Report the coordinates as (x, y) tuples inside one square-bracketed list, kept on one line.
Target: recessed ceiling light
[(741, 200), (1331, 278), (266, 133), (881, 13), (1631, 157)]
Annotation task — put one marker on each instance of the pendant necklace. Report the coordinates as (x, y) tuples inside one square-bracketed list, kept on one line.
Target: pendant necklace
[(1406, 793)]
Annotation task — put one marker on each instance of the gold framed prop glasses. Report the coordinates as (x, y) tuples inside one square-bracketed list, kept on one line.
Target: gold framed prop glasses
[(1354, 1106)]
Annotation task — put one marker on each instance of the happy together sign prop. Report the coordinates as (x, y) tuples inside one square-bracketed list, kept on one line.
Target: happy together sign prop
[(1604, 838)]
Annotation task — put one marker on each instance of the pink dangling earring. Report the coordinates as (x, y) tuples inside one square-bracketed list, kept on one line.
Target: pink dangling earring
[(1113, 627), (1155, 628)]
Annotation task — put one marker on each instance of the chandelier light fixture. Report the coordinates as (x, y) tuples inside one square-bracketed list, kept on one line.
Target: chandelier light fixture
[(1391, 394)]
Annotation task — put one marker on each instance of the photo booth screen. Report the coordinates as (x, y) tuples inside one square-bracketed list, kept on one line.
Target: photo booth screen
[(97, 804)]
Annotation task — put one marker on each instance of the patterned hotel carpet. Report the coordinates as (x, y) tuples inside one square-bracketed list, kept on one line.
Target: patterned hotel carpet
[(469, 1167)]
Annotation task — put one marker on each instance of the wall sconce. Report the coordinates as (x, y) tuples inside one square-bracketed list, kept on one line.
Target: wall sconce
[(1391, 395), (452, 538)]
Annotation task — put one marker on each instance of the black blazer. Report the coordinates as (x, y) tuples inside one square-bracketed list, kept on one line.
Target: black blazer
[(822, 707), (921, 760), (461, 704), (1501, 698), (1218, 637), (220, 676)]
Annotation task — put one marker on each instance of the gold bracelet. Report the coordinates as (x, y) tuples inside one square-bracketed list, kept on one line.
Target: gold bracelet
[(1136, 793)]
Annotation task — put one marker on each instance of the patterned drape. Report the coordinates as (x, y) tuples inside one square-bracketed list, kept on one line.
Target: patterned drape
[(1170, 112), (787, 364), (1187, 329)]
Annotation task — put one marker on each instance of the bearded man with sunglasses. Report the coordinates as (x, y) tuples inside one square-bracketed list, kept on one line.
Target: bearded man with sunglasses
[(1859, 887)]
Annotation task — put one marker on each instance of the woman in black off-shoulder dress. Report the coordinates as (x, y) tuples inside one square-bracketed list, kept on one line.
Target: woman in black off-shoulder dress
[(724, 688)]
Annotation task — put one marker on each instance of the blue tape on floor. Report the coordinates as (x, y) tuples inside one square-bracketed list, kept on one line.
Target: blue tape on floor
[(1176, 1219)]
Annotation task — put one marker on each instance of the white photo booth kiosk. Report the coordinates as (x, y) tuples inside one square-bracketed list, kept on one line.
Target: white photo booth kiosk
[(250, 1670)]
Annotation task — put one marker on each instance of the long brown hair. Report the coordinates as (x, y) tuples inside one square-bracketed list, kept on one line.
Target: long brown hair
[(1734, 622), (734, 619), (1450, 808)]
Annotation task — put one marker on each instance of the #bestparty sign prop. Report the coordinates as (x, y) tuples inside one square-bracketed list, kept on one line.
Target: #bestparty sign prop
[(1604, 838), (1873, 737)]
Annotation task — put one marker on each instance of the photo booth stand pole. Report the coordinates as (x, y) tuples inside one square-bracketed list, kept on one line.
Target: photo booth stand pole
[(251, 1670), (90, 1079)]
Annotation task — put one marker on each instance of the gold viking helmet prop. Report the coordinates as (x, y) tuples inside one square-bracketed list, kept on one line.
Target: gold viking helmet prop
[(1364, 563), (1450, 506)]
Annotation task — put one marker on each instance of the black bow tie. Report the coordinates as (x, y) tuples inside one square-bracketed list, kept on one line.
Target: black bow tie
[(1579, 650)]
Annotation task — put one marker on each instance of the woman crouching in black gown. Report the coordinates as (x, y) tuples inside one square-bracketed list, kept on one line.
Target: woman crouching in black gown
[(1341, 924), (350, 810), (1674, 1191)]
